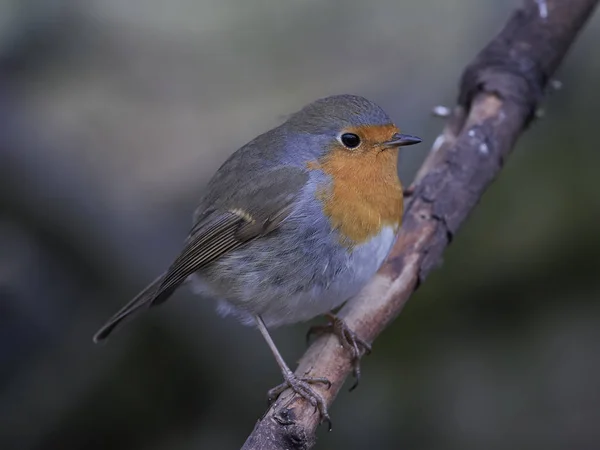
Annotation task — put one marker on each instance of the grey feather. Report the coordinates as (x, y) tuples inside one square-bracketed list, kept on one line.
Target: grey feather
[(140, 301), (242, 215), (260, 243)]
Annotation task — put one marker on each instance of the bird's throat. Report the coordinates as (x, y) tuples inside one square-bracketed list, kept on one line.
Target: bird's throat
[(364, 195)]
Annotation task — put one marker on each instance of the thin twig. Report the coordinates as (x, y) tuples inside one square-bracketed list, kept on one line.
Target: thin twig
[(499, 94)]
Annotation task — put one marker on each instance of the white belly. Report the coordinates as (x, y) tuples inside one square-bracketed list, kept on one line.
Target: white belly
[(361, 264)]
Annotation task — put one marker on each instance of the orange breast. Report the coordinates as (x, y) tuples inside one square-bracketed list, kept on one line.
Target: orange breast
[(365, 194)]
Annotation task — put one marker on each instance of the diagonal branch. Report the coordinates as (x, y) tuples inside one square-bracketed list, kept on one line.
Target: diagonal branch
[(499, 94)]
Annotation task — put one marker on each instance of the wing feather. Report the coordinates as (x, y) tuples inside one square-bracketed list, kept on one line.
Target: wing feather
[(208, 240), (222, 225), (200, 251)]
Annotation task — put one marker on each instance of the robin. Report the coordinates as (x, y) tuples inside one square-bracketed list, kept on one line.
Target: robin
[(292, 225)]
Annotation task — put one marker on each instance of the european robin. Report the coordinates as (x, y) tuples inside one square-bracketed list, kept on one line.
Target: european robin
[(292, 225)]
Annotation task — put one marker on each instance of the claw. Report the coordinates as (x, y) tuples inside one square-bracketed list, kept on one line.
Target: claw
[(349, 340), (301, 386)]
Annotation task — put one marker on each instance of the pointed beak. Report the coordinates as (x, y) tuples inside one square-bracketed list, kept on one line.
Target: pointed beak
[(400, 140)]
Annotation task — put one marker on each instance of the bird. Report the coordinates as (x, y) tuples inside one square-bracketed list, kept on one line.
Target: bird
[(292, 225)]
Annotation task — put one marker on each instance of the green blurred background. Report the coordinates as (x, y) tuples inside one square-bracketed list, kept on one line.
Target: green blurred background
[(114, 114)]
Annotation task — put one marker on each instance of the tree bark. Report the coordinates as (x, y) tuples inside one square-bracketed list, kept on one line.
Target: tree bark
[(499, 94)]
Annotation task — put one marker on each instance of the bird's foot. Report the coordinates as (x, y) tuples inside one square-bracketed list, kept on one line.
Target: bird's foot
[(349, 340), (302, 387)]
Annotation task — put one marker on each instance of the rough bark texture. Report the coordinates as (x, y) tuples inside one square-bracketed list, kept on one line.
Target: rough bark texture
[(499, 94)]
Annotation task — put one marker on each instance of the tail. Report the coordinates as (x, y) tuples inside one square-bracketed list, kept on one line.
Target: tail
[(143, 300)]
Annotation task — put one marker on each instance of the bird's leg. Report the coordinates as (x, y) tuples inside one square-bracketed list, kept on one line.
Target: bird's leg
[(300, 385), (348, 338)]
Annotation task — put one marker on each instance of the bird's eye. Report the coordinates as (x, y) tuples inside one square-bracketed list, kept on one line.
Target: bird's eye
[(350, 140)]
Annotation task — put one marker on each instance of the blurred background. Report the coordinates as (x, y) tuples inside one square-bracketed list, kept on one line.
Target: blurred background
[(114, 114)]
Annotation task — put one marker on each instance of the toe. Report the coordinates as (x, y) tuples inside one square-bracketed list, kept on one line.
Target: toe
[(315, 380)]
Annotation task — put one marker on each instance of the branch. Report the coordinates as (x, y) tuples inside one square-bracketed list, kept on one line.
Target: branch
[(499, 94)]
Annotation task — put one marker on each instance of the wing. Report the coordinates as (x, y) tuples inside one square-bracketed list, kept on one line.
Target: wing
[(230, 231), (219, 230)]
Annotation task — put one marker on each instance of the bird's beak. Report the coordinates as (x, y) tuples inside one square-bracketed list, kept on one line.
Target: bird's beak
[(400, 140)]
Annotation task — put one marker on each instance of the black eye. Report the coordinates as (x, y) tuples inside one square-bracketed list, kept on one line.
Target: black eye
[(350, 140)]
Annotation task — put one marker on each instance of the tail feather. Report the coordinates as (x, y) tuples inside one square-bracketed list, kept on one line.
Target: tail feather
[(143, 300)]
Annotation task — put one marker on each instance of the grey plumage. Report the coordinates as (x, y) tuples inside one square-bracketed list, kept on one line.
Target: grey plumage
[(260, 243)]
